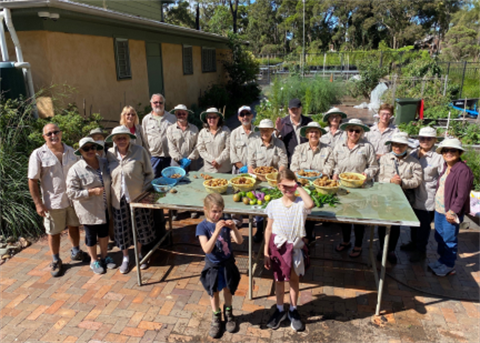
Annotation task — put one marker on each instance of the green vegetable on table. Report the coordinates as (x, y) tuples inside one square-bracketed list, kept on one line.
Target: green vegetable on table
[(322, 199)]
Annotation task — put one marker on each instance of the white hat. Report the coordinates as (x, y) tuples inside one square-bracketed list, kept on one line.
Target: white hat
[(354, 122), (180, 107), (120, 130), (428, 131), (84, 141), (449, 143), (398, 137), (311, 125), (210, 110), (265, 124), (332, 111), (97, 131), (244, 108)]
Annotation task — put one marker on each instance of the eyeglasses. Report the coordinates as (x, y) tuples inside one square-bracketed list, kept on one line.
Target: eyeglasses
[(130, 114), (157, 102), (88, 148), (56, 132), (181, 113), (244, 114), (357, 131), (381, 114), (212, 117), (425, 138), (446, 151)]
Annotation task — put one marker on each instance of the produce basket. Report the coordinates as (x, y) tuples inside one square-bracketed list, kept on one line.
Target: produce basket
[(347, 181), (311, 178), (163, 185), (245, 187), (325, 189), (171, 171), (272, 179), (262, 176), (216, 189)]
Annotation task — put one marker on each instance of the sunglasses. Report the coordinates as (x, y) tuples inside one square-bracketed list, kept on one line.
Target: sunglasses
[(452, 151), (425, 138), (157, 102), (49, 134), (88, 148), (181, 113), (244, 114), (212, 118), (287, 187), (356, 131)]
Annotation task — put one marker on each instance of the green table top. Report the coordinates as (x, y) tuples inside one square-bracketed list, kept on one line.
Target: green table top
[(381, 204)]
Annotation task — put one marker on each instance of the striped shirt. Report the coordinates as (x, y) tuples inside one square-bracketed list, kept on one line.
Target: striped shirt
[(288, 222)]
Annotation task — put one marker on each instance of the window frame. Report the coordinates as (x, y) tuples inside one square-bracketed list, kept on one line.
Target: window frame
[(209, 66), (120, 75)]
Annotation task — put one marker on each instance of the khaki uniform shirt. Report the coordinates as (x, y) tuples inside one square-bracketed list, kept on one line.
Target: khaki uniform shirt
[(155, 133), (332, 139), (409, 168), (182, 144), (378, 139), (82, 177), (141, 140), (305, 158), (46, 167), (137, 171), (215, 148), (239, 141), (361, 159), (273, 155), (432, 165)]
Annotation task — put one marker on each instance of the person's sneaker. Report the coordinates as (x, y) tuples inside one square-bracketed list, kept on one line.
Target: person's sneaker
[(443, 270), (417, 256), (295, 320), (125, 267), (97, 267), (193, 215), (110, 246), (145, 265), (56, 268), (434, 265), (410, 246), (216, 326), (230, 322), (109, 263), (276, 319), (80, 256)]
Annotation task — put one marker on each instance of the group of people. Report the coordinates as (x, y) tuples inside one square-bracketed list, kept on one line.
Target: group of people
[(93, 187)]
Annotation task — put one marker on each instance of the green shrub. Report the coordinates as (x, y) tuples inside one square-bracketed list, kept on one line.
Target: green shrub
[(472, 159), (370, 75)]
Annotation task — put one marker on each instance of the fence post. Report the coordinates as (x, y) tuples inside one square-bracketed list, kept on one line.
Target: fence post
[(268, 66), (463, 78), (445, 85), (394, 89), (423, 86)]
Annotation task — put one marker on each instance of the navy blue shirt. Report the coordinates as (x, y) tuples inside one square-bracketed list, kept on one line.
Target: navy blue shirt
[(223, 246)]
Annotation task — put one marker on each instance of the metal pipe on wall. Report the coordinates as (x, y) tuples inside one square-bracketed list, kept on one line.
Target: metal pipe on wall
[(3, 39)]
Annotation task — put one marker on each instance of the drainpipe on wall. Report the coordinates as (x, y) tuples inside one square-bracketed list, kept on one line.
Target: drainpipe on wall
[(25, 66), (3, 40)]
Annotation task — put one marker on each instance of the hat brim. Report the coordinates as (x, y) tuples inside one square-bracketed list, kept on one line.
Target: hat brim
[(204, 114), (179, 109), (109, 139), (438, 150), (257, 128), (98, 133), (303, 130), (78, 153), (345, 125), (439, 138), (327, 115), (398, 142)]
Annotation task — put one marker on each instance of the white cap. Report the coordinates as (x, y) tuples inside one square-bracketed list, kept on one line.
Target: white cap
[(428, 131), (244, 108), (265, 124)]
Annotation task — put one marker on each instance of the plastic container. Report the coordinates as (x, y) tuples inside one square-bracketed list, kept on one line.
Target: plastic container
[(243, 187), (169, 171), (163, 185), (352, 183), (219, 189), (272, 179), (310, 178), (406, 110)]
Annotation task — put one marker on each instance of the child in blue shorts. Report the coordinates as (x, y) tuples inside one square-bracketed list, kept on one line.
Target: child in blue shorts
[(220, 272)]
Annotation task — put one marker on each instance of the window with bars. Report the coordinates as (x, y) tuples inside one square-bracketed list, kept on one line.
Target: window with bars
[(209, 60), (187, 60), (122, 59)]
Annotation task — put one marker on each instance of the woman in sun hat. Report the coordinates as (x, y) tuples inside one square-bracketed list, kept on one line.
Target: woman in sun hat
[(404, 170), (354, 154), (213, 143), (452, 201), (98, 136), (88, 186), (424, 205), (334, 134), (129, 119), (131, 173)]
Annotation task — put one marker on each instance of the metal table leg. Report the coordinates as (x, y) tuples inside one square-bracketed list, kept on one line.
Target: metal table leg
[(372, 255), (382, 272), (135, 247), (250, 276)]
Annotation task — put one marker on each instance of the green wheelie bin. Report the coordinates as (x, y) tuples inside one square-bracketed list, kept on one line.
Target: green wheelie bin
[(406, 110)]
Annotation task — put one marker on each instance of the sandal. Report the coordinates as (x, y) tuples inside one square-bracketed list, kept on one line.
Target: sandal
[(343, 246), (356, 252)]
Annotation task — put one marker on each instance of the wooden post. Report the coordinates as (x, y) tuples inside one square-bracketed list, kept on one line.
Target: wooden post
[(445, 84), (423, 85), (463, 78), (394, 89)]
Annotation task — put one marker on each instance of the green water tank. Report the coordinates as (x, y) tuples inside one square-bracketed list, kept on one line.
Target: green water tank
[(12, 83)]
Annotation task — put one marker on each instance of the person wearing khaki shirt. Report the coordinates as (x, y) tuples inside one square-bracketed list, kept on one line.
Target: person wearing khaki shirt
[(214, 143), (50, 164), (239, 140), (404, 170), (314, 154), (155, 125), (333, 134), (88, 186), (382, 131), (354, 155), (182, 138), (131, 174)]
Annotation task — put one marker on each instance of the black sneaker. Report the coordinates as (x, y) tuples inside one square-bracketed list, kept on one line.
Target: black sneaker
[(296, 320), (418, 256), (216, 326), (80, 256), (410, 246), (276, 319), (56, 268)]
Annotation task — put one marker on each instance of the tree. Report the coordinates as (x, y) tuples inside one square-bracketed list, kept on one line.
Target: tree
[(180, 15), (461, 44)]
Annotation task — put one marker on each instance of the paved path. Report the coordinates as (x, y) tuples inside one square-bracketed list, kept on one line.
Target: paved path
[(337, 298)]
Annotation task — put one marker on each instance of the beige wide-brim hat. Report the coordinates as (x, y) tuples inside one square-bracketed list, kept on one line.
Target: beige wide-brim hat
[(399, 137), (97, 131), (450, 143), (311, 125), (120, 130), (354, 122), (265, 124), (204, 114), (180, 107), (332, 111), (429, 131), (84, 141)]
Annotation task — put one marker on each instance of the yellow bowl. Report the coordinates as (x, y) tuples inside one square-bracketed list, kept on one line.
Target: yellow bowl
[(352, 183), (243, 187), (263, 177), (219, 189), (324, 189), (272, 179)]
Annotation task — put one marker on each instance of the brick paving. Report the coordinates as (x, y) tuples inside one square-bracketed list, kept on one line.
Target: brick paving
[(337, 300)]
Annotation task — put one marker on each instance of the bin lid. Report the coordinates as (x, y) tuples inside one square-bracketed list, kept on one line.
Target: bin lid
[(6, 65), (407, 100)]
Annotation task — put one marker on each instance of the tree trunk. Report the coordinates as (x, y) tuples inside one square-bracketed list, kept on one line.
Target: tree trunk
[(234, 14), (197, 17)]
